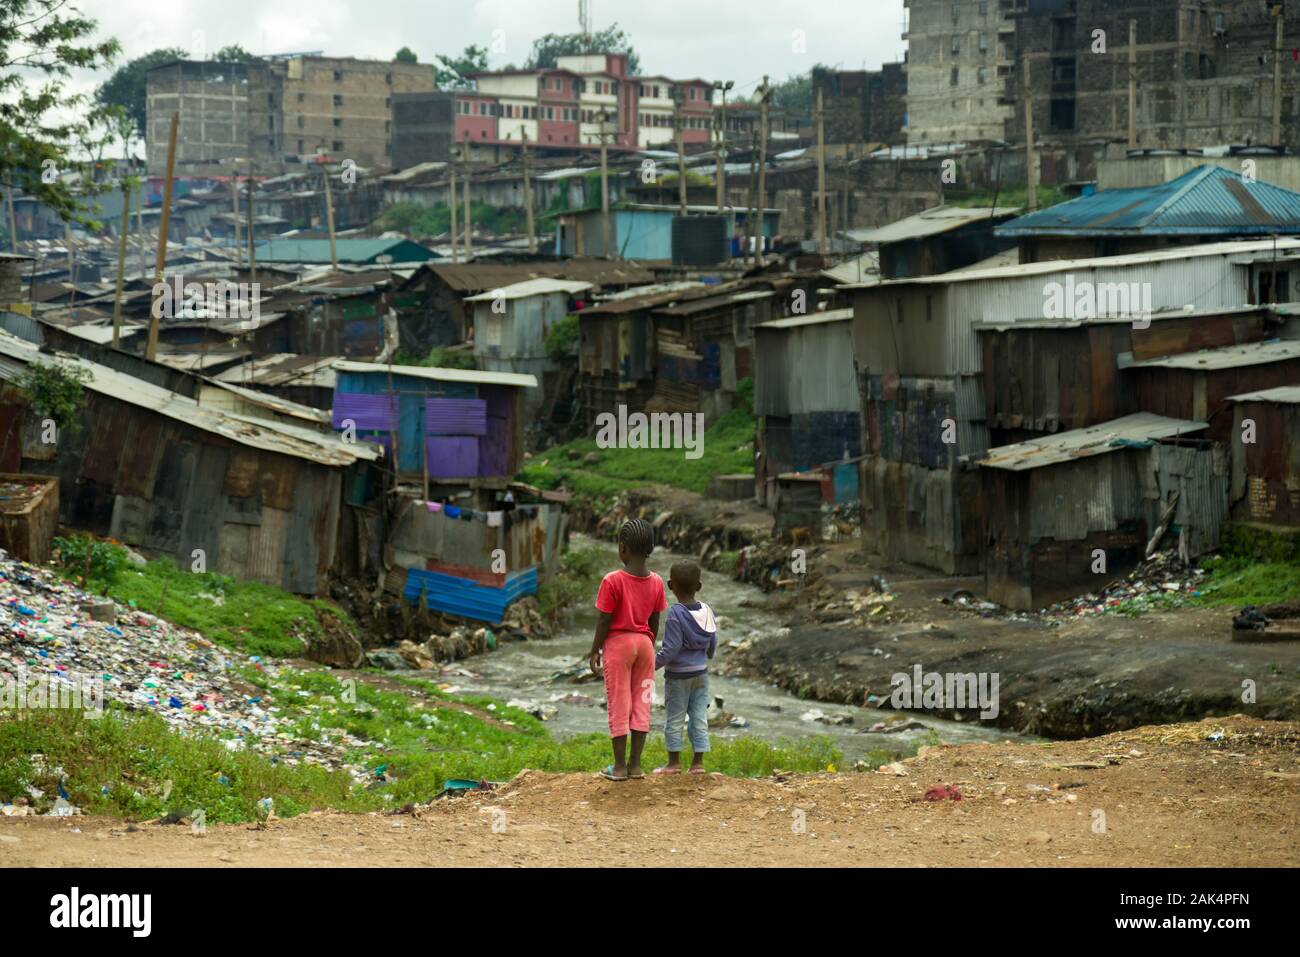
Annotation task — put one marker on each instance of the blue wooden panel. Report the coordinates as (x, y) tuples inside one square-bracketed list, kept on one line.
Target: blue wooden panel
[(469, 599)]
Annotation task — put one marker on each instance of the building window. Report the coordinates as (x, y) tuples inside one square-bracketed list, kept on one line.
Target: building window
[(955, 77), (301, 122), (984, 43), (388, 78), (300, 146), (982, 75), (337, 122), (984, 8), (338, 146), (338, 99), (956, 45), (301, 97), (338, 76)]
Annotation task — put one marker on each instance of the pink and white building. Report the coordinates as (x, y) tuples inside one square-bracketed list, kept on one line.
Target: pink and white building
[(561, 108)]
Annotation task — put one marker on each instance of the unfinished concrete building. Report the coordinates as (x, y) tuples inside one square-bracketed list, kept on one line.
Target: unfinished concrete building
[(956, 52), (423, 125), (212, 99), (276, 111), (864, 106), (1202, 73)]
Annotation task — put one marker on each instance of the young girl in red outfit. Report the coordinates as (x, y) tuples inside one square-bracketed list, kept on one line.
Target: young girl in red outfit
[(629, 602)]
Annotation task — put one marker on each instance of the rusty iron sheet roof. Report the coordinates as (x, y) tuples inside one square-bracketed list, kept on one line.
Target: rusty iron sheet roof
[(930, 222), (1227, 357), (283, 369), (1282, 395), (475, 376), (1136, 430), (263, 434), (1206, 201)]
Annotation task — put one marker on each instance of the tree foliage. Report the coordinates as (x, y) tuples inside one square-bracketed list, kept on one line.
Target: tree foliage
[(610, 40), (55, 392), (45, 128), (452, 72), (405, 55)]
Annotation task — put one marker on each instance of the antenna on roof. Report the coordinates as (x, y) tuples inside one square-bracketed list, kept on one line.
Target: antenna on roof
[(584, 17)]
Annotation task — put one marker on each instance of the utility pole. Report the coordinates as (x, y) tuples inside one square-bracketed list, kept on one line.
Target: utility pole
[(121, 262), (329, 216), (1031, 175), (607, 233), (528, 197), (681, 152), (720, 124), (764, 92), (1132, 84), (13, 220), (753, 193), (252, 228), (164, 226), (234, 199), (451, 203), (1277, 80), (822, 243), (469, 223)]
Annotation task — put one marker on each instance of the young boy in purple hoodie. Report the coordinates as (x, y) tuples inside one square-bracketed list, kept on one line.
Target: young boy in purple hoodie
[(690, 638)]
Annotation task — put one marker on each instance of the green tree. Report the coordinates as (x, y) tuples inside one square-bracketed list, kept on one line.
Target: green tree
[(406, 55), (44, 126), (452, 73), (126, 88), (610, 40), (234, 53)]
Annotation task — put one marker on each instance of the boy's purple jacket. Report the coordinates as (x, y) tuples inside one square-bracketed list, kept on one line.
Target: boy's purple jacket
[(690, 638)]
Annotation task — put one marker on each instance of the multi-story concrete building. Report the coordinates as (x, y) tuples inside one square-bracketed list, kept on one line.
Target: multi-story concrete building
[(275, 110), (864, 106), (562, 108), (957, 50)]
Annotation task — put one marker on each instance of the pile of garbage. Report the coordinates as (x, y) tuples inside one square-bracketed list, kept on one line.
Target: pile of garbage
[(63, 647), (1161, 582)]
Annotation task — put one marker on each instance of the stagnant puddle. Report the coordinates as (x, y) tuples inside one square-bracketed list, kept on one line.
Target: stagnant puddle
[(529, 672)]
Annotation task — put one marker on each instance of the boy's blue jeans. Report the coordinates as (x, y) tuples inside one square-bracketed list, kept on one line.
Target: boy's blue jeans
[(683, 697)]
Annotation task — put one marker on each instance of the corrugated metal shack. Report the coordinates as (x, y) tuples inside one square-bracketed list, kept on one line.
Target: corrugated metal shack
[(936, 240), (719, 331), (1205, 204), (919, 362), (1266, 472), (805, 395), (431, 304), (511, 325), (1198, 385), (306, 380), (1052, 502), (340, 314), (1048, 376), (464, 426), (155, 469)]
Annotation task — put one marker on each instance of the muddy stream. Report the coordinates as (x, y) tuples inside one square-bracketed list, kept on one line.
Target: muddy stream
[(527, 674)]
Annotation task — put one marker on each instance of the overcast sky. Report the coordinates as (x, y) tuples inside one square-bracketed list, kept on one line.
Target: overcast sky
[(716, 39)]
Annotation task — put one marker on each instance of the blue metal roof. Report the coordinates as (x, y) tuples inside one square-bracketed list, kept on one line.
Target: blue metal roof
[(1207, 201), (363, 251)]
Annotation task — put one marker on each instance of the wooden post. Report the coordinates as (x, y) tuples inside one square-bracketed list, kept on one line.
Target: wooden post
[(252, 229), (681, 150), (451, 204), (234, 203), (469, 220), (1031, 175), (121, 263), (329, 218), (762, 171), (1132, 84), (1277, 80), (607, 236), (13, 220), (753, 194), (528, 197), (164, 226), (823, 246)]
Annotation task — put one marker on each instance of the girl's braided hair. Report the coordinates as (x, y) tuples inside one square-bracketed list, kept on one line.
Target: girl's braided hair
[(638, 535)]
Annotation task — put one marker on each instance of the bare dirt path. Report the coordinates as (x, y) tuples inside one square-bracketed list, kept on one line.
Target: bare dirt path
[(1168, 795)]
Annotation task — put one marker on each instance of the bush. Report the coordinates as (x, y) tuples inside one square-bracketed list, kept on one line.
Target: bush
[(562, 338), (56, 392), (90, 559)]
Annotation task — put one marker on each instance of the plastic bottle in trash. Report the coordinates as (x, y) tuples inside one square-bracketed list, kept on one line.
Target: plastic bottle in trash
[(62, 808)]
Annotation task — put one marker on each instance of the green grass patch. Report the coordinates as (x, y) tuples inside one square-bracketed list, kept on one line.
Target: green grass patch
[(438, 358), (120, 764), (728, 448), (1013, 195), (423, 221), (259, 619), (1234, 580)]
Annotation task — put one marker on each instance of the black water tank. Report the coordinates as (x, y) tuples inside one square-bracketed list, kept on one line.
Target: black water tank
[(699, 240)]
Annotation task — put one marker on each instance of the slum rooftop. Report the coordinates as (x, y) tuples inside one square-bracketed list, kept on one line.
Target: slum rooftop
[(1131, 431), (1206, 201)]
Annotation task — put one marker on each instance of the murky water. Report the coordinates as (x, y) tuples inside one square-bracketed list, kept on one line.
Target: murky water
[(523, 672)]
